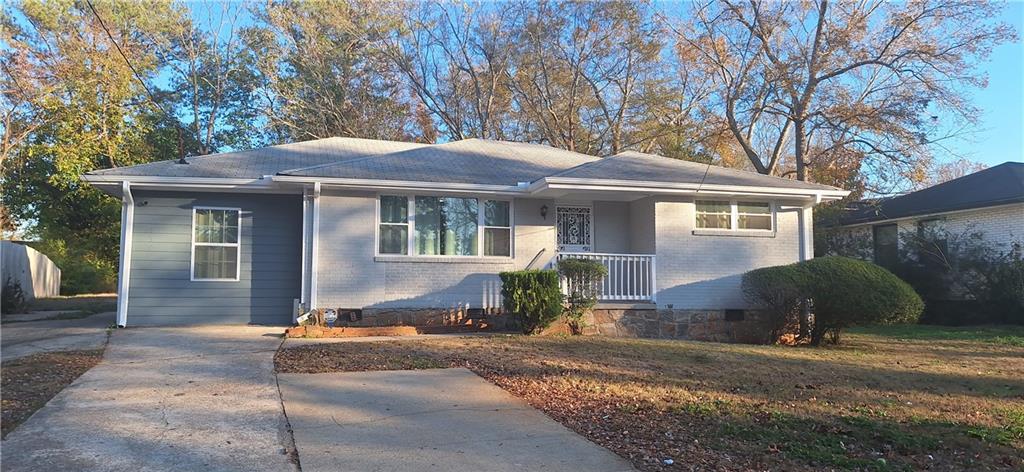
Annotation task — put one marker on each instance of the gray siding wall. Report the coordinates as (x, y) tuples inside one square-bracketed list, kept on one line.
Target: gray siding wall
[(160, 289), (705, 271), (350, 276), (611, 225)]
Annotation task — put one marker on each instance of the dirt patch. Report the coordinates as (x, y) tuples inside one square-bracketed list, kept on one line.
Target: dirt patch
[(874, 403), (31, 381)]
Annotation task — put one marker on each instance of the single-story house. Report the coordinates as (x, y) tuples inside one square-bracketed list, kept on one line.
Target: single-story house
[(406, 233), (989, 202)]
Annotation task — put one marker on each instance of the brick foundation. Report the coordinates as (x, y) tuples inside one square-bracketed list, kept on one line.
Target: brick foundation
[(698, 325), (427, 317)]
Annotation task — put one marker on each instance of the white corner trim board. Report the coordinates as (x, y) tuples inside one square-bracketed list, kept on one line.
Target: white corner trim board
[(124, 269), (314, 246)]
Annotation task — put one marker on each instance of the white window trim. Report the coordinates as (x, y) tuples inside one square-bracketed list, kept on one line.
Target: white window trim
[(411, 224), (734, 216), (237, 246)]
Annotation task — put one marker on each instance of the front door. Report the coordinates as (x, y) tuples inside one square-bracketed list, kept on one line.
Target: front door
[(575, 229)]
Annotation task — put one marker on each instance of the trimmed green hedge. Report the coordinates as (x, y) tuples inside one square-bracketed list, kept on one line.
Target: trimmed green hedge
[(780, 291), (845, 292), (849, 292), (534, 296)]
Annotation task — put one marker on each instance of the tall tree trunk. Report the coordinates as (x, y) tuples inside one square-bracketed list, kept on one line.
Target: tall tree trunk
[(798, 128)]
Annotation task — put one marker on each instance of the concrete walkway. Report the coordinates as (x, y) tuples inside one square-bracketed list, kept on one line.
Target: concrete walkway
[(427, 420), (31, 337), (197, 399)]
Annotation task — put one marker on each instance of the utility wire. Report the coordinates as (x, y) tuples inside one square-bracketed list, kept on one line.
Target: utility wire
[(177, 124)]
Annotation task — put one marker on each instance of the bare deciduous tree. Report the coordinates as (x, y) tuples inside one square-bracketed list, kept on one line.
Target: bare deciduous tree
[(800, 81)]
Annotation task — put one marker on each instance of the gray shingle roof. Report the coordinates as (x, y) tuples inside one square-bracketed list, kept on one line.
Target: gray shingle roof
[(631, 165), (270, 160), (998, 185), (472, 161)]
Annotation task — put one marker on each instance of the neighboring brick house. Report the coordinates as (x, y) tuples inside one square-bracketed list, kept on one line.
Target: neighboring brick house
[(989, 202), (958, 243), (416, 234)]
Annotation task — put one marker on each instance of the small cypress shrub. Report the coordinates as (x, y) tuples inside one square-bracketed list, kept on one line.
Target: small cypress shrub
[(583, 278), (532, 295)]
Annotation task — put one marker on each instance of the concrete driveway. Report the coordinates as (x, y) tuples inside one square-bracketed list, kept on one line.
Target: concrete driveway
[(31, 337), (164, 399), (427, 420)]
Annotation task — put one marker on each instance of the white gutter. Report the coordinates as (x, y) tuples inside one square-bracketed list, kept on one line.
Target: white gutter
[(304, 294), (683, 188), (124, 268), (137, 179)]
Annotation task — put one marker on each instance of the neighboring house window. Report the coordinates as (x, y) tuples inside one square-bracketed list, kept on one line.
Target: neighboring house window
[(215, 243), (933, 245), (730, 215), (444, 226), (497, 229), (394, 225), (886, 245)]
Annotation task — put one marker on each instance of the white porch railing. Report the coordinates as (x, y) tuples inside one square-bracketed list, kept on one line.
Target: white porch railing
[(631, 277)]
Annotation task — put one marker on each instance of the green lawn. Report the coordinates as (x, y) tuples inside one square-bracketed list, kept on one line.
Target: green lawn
[(897, 398)]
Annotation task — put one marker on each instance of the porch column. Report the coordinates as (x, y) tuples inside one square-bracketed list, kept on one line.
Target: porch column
[(125, 265)]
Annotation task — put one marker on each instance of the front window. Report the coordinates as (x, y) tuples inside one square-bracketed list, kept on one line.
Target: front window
[(731, 215), (714, 215), (215, 244), (444, 226)]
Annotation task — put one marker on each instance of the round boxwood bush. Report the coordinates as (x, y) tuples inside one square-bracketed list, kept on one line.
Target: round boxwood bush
[(850, 292), (779, 291)]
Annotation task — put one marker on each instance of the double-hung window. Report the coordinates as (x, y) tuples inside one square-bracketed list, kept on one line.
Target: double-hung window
[(215, 244), (497, 229), (734, 216), (444, 226)]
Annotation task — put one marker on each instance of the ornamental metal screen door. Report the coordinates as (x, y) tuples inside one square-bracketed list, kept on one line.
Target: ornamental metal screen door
[(574, 229)]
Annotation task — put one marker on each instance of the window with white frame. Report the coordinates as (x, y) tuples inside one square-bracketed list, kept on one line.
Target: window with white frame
[(444, 226), (215, 243), (497, 228), (733, 215)]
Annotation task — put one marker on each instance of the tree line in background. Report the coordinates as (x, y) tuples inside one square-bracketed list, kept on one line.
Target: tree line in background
[(858, 95)]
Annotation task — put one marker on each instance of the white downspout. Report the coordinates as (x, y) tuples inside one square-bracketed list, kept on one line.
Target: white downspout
[(314, 246), (125, 267), (304, 293), (806, 216)]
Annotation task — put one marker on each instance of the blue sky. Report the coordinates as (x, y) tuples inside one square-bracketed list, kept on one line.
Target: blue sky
[(1000, 134)]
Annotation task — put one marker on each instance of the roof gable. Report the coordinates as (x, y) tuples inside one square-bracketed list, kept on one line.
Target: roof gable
[(470, 161), (256, 163), (637, 166)]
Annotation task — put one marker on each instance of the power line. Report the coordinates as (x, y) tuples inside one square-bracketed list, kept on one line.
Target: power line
[(152, 99)]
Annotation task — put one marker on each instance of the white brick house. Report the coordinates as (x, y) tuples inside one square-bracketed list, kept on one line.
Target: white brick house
[(989, 203), (403, 231)]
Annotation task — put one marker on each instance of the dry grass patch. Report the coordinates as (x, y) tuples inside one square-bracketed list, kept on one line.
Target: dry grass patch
[(31, 381), (907, 400)]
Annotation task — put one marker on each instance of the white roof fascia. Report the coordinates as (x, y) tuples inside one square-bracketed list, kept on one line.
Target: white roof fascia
[(375, 184), (683, 188)]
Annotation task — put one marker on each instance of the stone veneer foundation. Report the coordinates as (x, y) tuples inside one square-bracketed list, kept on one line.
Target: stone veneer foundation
[(698, 325)]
